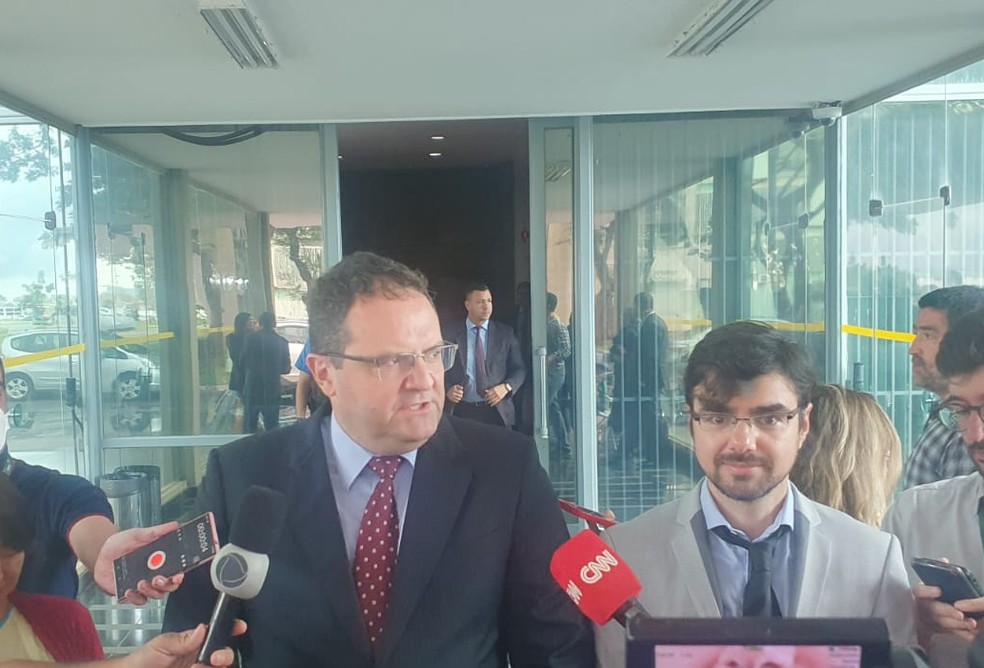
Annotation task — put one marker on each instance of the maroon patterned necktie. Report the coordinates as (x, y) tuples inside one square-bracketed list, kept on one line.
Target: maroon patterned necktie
[(481, 384), (375, 548)]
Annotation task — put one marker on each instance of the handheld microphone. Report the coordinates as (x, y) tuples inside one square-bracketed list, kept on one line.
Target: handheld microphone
[(596, 578), (240, 567)]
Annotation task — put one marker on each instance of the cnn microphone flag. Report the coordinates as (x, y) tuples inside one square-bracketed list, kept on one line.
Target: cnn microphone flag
[(594, 576)]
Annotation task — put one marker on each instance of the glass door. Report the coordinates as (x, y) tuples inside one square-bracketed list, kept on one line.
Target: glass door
[(563, 382), (39, 339)]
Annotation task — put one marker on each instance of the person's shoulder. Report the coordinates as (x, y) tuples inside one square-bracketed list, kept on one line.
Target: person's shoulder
[(47, 606), (489, 444), (657, 519), (275, 444), (941, 493), (27, 475), (501, 326)]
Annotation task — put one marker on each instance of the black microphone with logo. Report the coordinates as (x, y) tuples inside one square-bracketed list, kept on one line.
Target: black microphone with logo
[(240, 567)]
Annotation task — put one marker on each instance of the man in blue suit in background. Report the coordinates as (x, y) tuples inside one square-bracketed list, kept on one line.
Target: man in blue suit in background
[(489, 369)]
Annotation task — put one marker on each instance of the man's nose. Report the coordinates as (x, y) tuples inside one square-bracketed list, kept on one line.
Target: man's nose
[(973, 430), (743, 436), (420, 376)]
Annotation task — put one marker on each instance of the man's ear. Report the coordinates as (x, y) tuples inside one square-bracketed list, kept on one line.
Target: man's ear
[(805, 424), (323, 373)]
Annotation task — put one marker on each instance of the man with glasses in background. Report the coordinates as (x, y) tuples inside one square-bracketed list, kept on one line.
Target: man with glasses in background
[(745, 542), (945, 519), (939, 453), (412, 539)]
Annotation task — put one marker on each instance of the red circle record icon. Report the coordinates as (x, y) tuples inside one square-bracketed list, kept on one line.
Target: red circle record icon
[(156, 560)]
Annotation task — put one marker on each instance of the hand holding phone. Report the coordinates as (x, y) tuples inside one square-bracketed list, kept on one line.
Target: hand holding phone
[(955, 582), (188, 546)]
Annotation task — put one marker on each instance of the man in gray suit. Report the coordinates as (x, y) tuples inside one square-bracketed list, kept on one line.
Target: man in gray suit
[(489, 368), (745, 542)]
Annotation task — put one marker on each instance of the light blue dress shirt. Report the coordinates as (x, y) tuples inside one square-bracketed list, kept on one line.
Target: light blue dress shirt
[(471, 391), (731, 561), (353, 482)]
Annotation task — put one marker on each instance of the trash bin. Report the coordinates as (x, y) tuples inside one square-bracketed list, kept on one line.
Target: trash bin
[(151, 503), (125, 493)]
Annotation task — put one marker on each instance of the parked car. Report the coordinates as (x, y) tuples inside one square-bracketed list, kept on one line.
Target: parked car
[(124, 373)]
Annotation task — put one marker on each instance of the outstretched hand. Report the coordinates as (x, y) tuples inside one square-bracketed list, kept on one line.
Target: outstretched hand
[(180, 650), (122, 543)]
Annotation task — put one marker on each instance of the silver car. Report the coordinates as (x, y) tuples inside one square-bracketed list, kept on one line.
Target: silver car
[(124, 373)]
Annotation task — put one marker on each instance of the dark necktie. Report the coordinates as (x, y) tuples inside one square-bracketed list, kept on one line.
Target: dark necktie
[(375, 548), (480, 383), (759, 598)]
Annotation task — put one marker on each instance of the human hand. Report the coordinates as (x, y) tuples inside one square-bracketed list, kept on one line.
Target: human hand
[(455, 393), (496, 394), (180, 650), (933, 616), (122, 543)]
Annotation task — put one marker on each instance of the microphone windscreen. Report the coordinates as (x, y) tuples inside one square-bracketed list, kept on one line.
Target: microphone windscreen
[(260, 517), (594, 576)]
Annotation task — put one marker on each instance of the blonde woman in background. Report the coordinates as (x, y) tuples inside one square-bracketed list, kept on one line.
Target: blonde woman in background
[(852, 457)]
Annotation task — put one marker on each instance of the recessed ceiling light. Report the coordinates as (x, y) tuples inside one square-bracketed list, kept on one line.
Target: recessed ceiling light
[(437, 137), (435, 155)]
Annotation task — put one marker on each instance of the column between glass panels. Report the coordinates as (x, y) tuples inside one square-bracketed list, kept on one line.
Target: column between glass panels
[(88, 304), (583, 338)]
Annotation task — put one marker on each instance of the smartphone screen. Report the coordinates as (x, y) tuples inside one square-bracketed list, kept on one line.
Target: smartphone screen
[(188, 546)]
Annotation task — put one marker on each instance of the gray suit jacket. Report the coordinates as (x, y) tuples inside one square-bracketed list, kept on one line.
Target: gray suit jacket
[(503, 364), (841, 568)]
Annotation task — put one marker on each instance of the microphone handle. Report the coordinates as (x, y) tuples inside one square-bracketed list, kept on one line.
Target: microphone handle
[(219, 628)]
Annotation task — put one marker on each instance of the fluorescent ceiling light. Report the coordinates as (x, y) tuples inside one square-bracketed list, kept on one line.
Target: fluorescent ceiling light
[(236, 27), (437, 137), (721, 20), (435, 155)]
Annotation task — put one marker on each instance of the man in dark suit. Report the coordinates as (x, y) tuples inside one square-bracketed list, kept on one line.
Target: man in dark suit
[(265, 356), (639, 353), (489, 369), (412, 539)]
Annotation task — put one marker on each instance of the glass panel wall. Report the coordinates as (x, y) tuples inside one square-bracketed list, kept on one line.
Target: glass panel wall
[(698, 223), (914, 195), (39, 339), (192, 230)]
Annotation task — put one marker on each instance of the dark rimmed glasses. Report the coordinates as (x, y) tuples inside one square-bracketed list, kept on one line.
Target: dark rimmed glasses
[(772, 424)]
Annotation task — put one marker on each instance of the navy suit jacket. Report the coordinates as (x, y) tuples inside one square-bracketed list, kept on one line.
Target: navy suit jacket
[(264, 357), (503, 364), (472, 581)]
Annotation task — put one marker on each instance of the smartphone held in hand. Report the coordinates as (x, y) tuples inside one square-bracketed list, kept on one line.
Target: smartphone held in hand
[(185, 548)]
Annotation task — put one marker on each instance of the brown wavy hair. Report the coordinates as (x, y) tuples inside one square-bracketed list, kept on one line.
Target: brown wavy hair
[(852, 457)]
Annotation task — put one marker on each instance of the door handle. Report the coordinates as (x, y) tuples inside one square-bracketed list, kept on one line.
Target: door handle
[(541, 365)]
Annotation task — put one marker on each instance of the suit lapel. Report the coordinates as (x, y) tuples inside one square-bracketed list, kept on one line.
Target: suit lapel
[(693, 556), (440, 481), (317, 529), (811, 559)]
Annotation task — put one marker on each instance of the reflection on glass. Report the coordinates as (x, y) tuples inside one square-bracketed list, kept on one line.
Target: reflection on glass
[(904, 234), (38, 305), (224, 230), (698, 223)]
